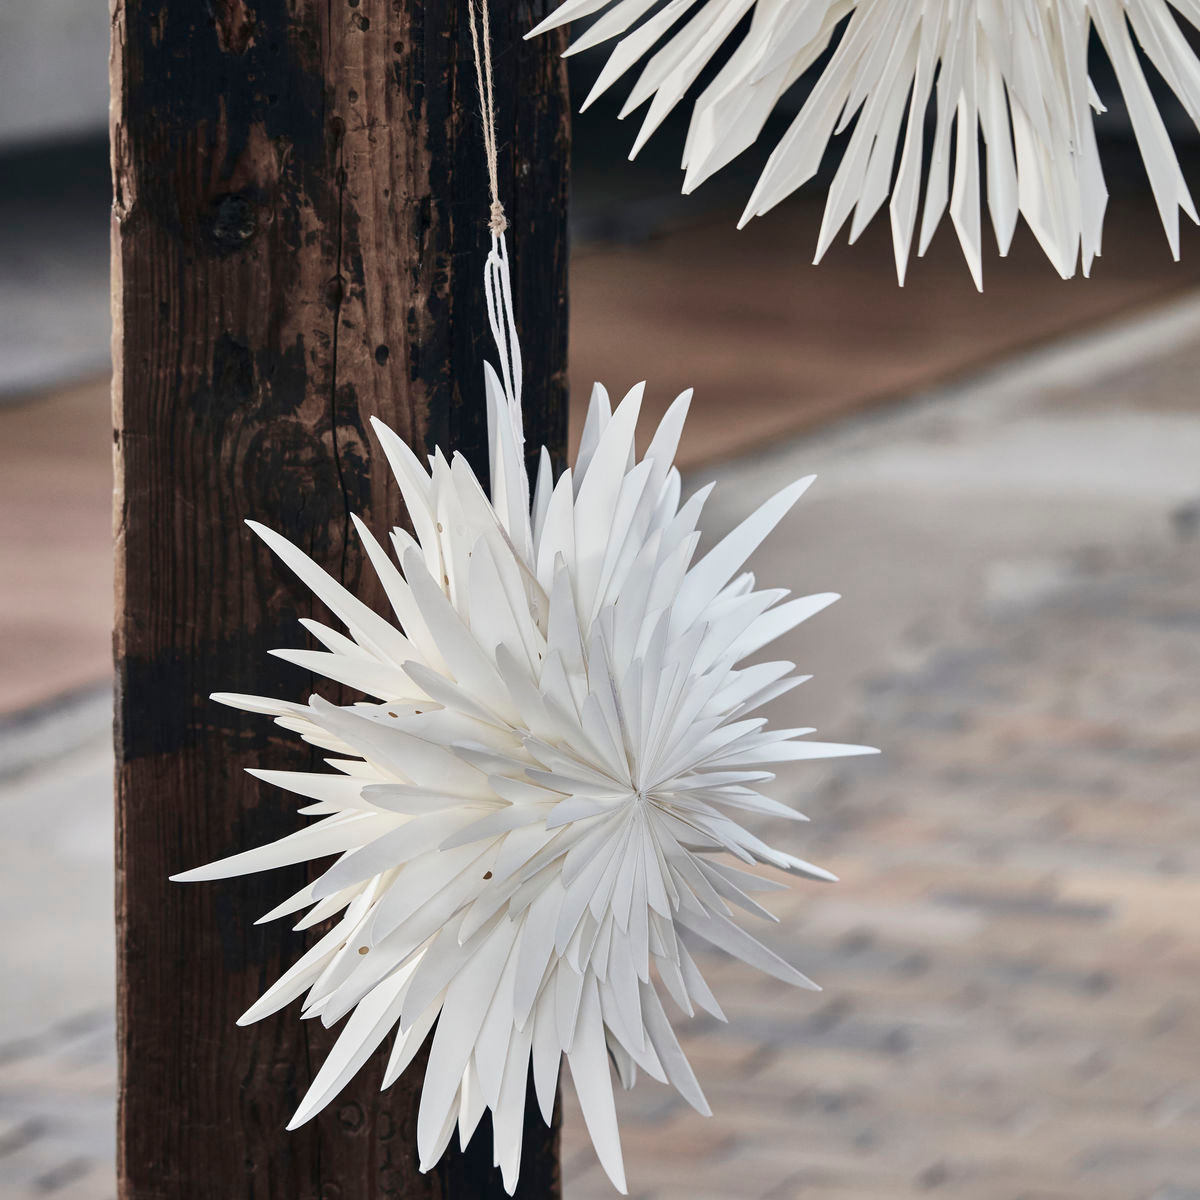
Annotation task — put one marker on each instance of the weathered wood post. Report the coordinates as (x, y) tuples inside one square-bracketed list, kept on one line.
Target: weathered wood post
[(298, 236)]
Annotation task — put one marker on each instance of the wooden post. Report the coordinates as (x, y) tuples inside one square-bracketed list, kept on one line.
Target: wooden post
[(298, 239)]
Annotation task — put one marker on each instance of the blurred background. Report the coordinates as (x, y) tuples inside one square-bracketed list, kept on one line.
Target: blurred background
[(1009, 500)]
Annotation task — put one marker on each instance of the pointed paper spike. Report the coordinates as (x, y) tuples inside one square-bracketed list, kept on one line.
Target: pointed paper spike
[(546, 1054), (362, 621), (712, 572), (588, 1061), (370, 1023)]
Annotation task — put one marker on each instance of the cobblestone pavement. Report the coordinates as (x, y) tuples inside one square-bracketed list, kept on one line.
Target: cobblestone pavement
[(1011, 960)]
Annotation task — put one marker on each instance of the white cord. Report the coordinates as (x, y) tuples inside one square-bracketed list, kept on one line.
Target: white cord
[(497, 281)]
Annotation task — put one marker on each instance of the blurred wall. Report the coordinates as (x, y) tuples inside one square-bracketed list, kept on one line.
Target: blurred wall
[(53, 69)]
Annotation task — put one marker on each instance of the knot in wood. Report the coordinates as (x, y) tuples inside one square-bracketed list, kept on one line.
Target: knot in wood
[(234, 221)]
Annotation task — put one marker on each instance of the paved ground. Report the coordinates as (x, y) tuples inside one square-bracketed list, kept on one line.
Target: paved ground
[(57, 1054), (56, 546), (1012, 958)]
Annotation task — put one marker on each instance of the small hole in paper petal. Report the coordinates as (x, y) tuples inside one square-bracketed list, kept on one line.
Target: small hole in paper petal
[(363, 949), (487, 875)]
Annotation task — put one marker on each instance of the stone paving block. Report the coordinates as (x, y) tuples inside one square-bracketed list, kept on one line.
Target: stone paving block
[(57, 1111)]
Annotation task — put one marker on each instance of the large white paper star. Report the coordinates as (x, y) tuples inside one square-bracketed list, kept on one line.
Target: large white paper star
[(543, 795), (1012, 72)]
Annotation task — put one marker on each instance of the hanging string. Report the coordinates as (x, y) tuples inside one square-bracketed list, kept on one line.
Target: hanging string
[(497, 282), (497, 223)]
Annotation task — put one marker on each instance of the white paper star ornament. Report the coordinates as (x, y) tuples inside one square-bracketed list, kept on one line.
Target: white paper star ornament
[(1011, 74), (543, 796)]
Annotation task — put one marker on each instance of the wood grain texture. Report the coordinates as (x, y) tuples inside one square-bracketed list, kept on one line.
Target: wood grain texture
[(298, 237)]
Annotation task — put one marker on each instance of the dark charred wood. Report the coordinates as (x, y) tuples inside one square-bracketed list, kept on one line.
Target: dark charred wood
[(298, 237)]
